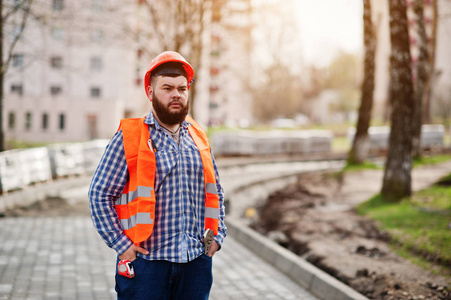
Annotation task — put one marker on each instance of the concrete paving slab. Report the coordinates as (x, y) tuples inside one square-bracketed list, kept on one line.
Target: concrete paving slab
[(64, 258)]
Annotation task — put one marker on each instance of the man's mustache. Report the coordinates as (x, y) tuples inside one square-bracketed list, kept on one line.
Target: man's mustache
[(175, 101)]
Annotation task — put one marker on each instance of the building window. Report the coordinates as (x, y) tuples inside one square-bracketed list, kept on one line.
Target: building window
[(97, 35), (28, 121), (45, 121), (138, 78), (95, 92), (15, 33), (55, 90), (56, 62), (58, 5), (96, 63), (17, 60), (57, 33), (97, 5), (11, 120), (62, 124), (17, 89)]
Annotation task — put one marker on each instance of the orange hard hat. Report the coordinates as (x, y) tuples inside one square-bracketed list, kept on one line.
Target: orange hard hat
[(165, 57)]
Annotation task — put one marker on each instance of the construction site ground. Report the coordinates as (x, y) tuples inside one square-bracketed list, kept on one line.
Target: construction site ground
[(315, 218)]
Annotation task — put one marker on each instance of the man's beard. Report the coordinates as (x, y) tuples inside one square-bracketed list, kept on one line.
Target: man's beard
[(167, 117)]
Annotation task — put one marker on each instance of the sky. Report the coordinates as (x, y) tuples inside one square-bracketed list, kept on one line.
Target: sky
[(326, 26)]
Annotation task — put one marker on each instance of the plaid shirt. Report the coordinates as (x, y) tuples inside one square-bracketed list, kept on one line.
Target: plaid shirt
[(179, 190)]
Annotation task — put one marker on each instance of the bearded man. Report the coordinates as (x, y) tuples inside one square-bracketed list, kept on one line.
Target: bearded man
[(156, 197)]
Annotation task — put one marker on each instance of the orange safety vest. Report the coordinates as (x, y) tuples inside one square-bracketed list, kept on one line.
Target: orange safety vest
[(136, 206)]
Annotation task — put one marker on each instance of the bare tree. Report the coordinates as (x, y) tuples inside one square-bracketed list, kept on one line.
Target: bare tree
[(277, 83), (18, 11), (398, 167), (179, 26), (279, 95), (422, 75), (343, 79), (360, 145)]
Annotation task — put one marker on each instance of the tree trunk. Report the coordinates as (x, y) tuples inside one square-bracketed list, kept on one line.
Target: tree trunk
[(431, 72), (422, 75), (2, 71), (360, 145), (398, 167)]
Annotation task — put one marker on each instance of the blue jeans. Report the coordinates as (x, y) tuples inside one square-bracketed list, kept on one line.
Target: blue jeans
[(164, 280)]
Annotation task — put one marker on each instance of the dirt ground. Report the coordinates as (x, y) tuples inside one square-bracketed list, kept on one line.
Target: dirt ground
[(315, 219)]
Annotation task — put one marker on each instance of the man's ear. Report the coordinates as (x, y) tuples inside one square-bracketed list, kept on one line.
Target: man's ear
[(149, 92)]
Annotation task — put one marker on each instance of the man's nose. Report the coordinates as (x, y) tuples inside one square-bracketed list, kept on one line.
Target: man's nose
[(176, 93)]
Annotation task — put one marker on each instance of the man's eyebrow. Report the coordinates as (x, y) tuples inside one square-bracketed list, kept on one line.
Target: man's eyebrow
[(172, 86)]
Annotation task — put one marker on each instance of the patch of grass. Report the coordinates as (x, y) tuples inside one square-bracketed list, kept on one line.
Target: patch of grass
[(375, 202), (435, 198), (418, 225), (423, 263), (359, 167), (445, 180), (430, 160), (15, 144)]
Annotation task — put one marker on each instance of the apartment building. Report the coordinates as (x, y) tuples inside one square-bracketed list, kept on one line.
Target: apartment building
[(72, 74), (78, 68), (230, 99)]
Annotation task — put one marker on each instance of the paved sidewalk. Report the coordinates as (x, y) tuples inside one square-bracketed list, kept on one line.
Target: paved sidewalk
[(64, 258)]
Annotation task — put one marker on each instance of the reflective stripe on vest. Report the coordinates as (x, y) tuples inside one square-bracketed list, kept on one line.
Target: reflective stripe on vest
[(139, 218), (136, 206), (141, 191)]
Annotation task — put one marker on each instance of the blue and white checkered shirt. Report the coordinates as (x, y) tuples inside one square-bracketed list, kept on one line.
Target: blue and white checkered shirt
[(179, 191)]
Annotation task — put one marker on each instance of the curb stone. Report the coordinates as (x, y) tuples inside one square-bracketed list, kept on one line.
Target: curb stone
[(34, 193), (313, 279)]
